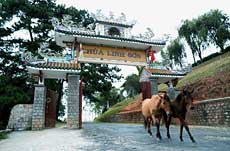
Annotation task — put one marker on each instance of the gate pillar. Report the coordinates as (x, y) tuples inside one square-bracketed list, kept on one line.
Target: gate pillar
[(154, 85), (38, 116), (73, 106)]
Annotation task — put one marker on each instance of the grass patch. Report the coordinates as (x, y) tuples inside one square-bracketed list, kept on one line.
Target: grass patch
[(3, 135), (116, 109), (162, 87), (209, 68), (213, 68), (60, 124)]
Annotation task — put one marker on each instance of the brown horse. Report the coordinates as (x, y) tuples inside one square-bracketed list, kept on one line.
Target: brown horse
[(151, 111), (179, 108)]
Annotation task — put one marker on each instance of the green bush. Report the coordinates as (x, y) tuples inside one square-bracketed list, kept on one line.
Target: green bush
[(3, 135)]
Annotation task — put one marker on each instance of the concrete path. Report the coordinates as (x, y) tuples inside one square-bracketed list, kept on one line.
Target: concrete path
[(116, 137)]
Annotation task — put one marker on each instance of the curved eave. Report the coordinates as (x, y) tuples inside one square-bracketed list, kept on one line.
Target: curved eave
[(106, 40), (167, 75), (51, 73), (162, 78)]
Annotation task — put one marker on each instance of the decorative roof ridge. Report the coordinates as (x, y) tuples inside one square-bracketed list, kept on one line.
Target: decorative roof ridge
[(111, 37), (115, 23), (112, 18)]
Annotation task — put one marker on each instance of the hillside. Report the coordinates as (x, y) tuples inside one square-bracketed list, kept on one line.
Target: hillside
[(117, 108), (209, 80)]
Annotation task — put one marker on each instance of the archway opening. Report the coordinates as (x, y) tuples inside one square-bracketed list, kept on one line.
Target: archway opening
[(114, 32)]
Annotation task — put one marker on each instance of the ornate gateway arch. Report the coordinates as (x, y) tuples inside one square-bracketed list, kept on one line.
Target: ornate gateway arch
[(111, 42)]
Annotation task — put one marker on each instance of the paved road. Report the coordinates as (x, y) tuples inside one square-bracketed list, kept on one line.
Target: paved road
[(115, 137)]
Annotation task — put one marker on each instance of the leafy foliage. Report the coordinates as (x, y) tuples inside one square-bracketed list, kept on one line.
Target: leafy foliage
[(132, 85), (98, 89), (218, 26), (192, 31), (176, 51), (33, 19), (15, 85), (3, 135), (211, 28)]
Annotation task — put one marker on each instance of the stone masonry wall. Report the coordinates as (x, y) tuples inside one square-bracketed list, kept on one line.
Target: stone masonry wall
[(214, 112), (38, 118), (73, 101), (131, 117), (21, 117)]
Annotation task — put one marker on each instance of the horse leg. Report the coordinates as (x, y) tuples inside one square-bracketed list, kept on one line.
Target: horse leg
[(190, 135), (158, 135), (167, 124), (183, 123), (181, 132), (149, 121)]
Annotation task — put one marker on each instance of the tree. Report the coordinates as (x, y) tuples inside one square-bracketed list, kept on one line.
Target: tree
[(32, 17), (166, 61), (176, 52), (132, 85), (140, 69), (195, 35), (15, 85), (218, 26), (107, 99), (98, 79)]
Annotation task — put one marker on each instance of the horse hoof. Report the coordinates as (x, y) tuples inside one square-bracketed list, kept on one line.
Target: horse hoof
[(158, 139), (193, 141)]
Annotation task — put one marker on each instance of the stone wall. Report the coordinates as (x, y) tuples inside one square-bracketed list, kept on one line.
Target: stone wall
[(131, 117), (213, 112), (38, 119), (73, 110), (21, 117)]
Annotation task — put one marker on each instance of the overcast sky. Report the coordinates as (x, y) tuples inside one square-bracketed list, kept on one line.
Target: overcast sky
[(163, 16)]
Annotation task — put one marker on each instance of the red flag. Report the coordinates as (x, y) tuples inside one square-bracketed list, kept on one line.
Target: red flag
[(152, 56)]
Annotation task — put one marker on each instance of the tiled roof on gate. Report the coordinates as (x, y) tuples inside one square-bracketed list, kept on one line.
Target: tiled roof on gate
[(57, 65), (163, 72), (156, 42)]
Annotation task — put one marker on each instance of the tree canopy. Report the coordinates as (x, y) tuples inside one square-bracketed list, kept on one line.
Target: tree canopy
[(132, 85), (217, 25), (176, 52), (98, 79), (25, 25)]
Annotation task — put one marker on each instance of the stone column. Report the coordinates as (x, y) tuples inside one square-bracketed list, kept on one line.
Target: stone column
[(154, 86), (73, 101), (38, 116)]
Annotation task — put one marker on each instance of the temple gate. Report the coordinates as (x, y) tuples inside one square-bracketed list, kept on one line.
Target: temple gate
[(111, 42)]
